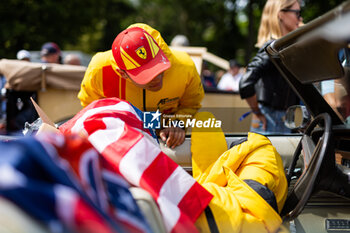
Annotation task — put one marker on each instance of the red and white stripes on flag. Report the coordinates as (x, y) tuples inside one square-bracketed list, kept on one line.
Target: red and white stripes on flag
[(116, 130)]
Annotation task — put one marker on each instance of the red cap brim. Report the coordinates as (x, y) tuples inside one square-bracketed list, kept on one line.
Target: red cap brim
[(145, 73)]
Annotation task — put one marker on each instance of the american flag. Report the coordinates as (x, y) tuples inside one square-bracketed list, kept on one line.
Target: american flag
[(115, 128), (59, 181)]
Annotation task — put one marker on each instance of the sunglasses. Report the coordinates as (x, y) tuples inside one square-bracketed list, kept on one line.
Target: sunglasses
[(297, 12)]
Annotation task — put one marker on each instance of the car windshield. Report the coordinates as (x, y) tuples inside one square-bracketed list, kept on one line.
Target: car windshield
[(336, 92)]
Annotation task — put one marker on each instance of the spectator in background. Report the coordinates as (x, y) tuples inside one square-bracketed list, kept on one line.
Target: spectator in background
[(50, 53), (230, 80), (219, 74), (23, 55), (17, 108), (208, 77), (262, 85), (72, 59)]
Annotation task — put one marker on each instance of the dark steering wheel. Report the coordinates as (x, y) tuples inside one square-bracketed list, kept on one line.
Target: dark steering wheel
[(314, 158)]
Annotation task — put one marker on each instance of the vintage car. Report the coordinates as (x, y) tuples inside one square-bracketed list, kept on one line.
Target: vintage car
[(317, 158), (317, 161), (309, 58)]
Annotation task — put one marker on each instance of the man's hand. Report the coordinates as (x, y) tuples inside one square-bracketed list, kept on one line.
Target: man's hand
[(173, 136), (257, 115), (261, 118)]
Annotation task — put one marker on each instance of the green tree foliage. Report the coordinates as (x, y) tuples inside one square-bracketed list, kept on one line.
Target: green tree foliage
[(30, 23), (228, 28), (315, 8), (111, 17), (206, 23), (84, 25)]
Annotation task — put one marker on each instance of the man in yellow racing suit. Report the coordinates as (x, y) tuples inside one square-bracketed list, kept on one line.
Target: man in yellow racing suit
[(174, 87)]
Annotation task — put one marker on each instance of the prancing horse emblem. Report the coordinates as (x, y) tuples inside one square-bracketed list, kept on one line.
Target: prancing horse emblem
[(141, 52)]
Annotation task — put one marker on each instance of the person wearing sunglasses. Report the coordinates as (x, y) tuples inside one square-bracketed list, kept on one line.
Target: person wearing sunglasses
[(297, 12), (263, 87)]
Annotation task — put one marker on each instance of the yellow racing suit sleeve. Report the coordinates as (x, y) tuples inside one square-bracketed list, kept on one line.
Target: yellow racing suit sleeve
[(186, 71), (92, 85), (191, 100)]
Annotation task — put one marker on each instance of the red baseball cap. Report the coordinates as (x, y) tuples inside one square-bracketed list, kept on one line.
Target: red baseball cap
[(136, 52)]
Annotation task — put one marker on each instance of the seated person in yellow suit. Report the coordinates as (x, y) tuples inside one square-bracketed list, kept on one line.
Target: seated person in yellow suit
[(247, 181), (141, 69)]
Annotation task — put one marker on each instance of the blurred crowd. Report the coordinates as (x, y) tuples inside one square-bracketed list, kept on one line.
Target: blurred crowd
[(16, 108)]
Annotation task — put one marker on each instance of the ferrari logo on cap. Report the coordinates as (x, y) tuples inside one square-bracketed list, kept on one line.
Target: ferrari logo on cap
[(141, 52)]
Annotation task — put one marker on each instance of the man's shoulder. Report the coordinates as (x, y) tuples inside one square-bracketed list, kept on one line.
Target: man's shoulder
[(101, 59), (182, 58)]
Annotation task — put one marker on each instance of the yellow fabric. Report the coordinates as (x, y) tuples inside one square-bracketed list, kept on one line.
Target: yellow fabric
[(153, 46), (182, 90), (211, 142), (235, 206), (92, 85), (156, 36)]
